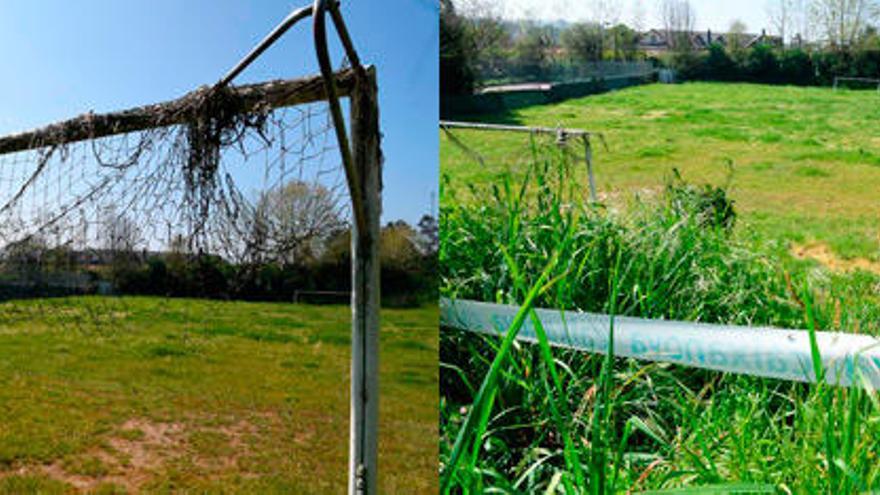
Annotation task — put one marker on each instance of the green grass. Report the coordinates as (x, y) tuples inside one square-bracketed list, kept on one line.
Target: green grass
[(525, 418), (177, 395), (807, 160)]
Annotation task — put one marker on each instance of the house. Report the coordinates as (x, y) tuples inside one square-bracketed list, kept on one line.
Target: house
[(659, 41)]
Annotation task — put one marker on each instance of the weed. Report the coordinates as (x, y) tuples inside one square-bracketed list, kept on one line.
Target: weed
[(527, 418)]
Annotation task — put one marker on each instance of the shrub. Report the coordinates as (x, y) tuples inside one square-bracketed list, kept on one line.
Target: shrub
[(761, 64), (680, 260), (767, 65), (719, 65), (796, 67), (710, 205)]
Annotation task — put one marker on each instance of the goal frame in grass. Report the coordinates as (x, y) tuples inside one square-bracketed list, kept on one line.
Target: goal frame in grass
[(838, 79), (359, 149), (563, 135)]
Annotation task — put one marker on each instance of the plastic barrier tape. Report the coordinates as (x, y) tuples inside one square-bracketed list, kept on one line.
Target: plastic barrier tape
[(758, 351)]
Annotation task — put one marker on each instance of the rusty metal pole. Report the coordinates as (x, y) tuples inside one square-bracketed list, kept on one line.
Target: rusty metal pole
[(366, 154)]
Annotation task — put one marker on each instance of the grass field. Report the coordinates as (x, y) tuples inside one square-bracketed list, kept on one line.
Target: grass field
[(529, 418), (807, 160), (173, 395)]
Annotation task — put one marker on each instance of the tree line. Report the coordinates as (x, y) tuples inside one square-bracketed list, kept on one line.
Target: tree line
[(481, 48), (299, 240), (820, 39)]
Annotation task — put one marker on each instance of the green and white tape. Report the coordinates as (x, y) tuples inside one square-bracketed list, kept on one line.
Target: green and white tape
[(848, 359)]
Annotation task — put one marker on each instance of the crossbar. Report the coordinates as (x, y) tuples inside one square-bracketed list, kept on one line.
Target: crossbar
[(514, 128), (275, 94), (298, 293), (860, 79), (849, 360)]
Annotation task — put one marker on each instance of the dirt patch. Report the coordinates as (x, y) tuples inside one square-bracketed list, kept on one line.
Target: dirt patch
[(141, 448), (655, 114), (823, 254)]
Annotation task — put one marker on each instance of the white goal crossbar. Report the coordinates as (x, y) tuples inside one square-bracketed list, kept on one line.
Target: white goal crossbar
[(838, 79), (847, 359)]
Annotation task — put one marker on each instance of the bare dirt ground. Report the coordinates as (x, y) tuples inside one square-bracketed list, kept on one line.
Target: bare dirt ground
[(130, 457), (824, 255)]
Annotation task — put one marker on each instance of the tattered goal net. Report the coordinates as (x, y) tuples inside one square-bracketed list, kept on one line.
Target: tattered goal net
[(250, 174)]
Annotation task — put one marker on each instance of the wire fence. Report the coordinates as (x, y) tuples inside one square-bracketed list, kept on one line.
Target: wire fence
[(512, 72)]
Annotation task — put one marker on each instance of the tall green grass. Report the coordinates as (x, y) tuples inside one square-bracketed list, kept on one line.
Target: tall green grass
[(528, 418)]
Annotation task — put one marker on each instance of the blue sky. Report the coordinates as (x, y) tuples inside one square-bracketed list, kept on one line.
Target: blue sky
[(63, 58)]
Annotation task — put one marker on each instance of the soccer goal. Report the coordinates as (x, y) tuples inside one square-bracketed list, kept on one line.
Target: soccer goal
[(575, 144), (179, 177), (856, 83)]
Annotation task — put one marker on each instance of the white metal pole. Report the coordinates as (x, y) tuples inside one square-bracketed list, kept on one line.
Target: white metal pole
[(366, 154), (588, 157)]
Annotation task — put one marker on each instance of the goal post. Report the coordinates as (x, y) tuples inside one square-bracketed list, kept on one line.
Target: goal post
[(366, 300), (865, 81), (167, 159), (562, 135)]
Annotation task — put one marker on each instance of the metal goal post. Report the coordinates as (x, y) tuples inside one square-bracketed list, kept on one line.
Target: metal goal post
[(359, 147), (869, 80), (563, 136)]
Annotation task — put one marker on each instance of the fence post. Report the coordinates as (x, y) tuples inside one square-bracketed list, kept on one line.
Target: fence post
[(366, 155)]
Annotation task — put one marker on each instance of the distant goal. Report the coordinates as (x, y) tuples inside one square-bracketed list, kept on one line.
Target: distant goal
[(841, 82), (321, 297)]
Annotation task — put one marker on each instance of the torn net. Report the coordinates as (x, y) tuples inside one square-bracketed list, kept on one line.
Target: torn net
[(249, 187)]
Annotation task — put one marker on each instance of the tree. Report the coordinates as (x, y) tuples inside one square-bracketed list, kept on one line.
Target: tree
[(583, 42), (121, 234), (796, 67), (122, 237), (456, 71), (177, 262), (296, 221), (841, 23), (780, 13), (429, 232), (24, 258), (532, 50), (407, 274), (488, 38), (800, 15), (762, 65), (638, 15), (606, 12), (624, 42), (678, 22), (400, 245), (736, 39), (719, 65)]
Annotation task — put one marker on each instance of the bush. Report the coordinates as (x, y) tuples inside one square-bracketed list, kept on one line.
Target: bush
[(796, 67), (690, 66), (767, 65), (761, 64), (680, 262), (710, 205), (719, 66)]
